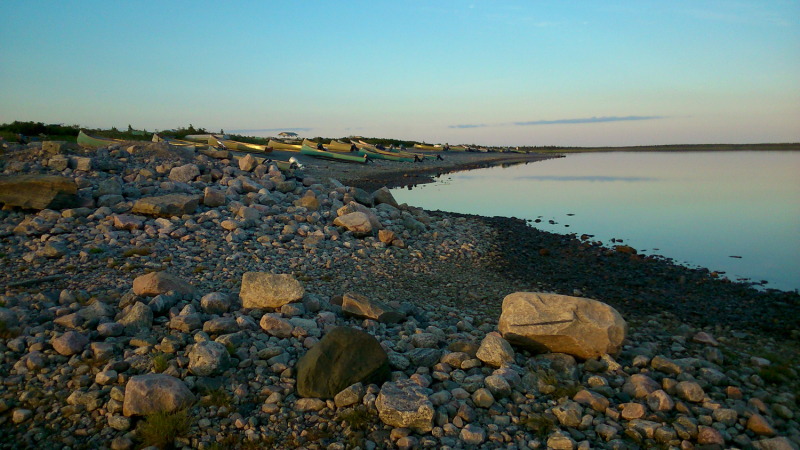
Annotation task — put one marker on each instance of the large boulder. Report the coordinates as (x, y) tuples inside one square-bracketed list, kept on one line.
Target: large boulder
[(357, 305), (577, 326), (38, 191), (166, 205), (403, 404), (344, 356), (357, 222), (157, 283), (155, 393), (267, 290)]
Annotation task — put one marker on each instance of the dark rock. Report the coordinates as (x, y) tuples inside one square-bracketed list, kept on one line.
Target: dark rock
[(343, 357)]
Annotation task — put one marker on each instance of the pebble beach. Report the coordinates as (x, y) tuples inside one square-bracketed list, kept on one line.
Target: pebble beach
[(152, 296)]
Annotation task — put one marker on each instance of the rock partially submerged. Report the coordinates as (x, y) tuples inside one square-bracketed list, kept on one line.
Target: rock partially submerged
[(562, 324)]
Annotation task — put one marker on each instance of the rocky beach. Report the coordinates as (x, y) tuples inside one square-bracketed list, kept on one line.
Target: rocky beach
[(155, 296)]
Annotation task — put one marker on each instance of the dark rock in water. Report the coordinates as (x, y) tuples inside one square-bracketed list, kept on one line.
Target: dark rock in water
[(38, 192), (345, 356)]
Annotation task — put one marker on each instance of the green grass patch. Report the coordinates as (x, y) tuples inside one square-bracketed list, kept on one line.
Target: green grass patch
[(160, 362), (161, 429), (358, 419), (218, 398), (538, 424), (140, 251), (96, 251)]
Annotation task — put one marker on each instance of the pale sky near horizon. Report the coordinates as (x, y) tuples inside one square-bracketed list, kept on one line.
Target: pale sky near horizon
[(497, 73)]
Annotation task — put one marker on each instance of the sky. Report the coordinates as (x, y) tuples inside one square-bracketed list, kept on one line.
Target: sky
[(574, 73)]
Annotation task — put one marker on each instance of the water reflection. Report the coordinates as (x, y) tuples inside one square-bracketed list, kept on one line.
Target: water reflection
[(698, 207)]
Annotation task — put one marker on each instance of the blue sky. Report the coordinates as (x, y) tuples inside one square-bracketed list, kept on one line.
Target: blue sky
[(506, 73)]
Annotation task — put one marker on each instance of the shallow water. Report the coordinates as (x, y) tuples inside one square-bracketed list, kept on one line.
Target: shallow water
[(699, 208)]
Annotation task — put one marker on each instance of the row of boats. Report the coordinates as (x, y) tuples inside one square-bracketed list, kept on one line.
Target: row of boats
[(356, 151)]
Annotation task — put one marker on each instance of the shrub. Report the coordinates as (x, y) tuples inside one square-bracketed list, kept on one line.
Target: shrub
[(160, 362), (161, 429), (357, 418)]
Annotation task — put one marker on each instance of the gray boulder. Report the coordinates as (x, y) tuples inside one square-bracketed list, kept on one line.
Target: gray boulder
[(185, 173), (155, 393), (208, 358), (577, 326)]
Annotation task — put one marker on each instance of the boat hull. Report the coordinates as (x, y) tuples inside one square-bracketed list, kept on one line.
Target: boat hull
[(306, 150), (84, 140), (284, 146)]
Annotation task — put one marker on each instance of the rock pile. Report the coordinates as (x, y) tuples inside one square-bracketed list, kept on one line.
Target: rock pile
[(259, 353)]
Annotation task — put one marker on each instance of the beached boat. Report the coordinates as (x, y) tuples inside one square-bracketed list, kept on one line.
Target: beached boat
[(457, 148), (430, 148), (284, 146), (179, 142), (204, 138), (239, 146), (306, 150), (84, 140), (336, 146), (379, 154)]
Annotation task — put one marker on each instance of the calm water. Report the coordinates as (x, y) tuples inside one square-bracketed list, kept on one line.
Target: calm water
[(697, 208)]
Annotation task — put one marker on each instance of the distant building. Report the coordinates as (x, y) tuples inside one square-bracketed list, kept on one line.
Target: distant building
[(287, 134)]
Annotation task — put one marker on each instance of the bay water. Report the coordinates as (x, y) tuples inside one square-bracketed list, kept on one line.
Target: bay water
[(734, 212)]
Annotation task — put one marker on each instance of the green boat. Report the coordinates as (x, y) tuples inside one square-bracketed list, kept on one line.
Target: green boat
[(84, 140), (306, 150), (377, 155)]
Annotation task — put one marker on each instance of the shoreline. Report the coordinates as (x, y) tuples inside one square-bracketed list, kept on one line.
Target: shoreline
[(99, 300)]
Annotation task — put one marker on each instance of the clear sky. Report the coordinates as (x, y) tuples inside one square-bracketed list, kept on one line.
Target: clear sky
[(506, 73)]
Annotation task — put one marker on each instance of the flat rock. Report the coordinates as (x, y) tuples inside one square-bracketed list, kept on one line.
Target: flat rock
[(157, 283), (357, 305), (343, 357), (166, 205), (357, 222), (577, 326), (267, 290), (155, 393), (403, 404), (38, 191)]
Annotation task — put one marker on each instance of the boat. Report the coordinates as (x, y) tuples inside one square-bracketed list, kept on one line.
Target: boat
[(284, 146), (429, 148), (389, 156), (84, 140), (420, 156), (336, 146), (306, 150), (204, 138), (179, 142), (239, 146), (458, 148)]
